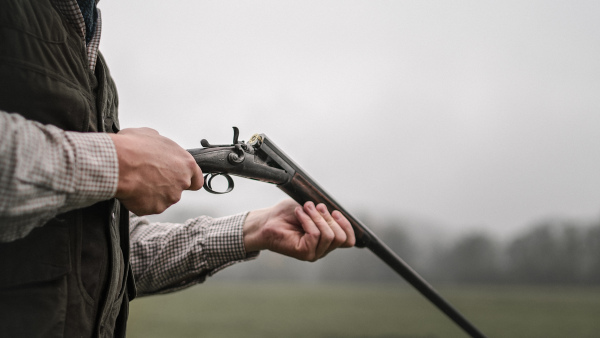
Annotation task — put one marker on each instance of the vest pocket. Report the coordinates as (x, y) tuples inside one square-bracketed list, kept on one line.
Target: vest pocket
[(33, 284), (34, 310), (40, 256)]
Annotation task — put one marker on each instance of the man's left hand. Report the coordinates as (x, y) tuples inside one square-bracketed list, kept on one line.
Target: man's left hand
[(306, 232)]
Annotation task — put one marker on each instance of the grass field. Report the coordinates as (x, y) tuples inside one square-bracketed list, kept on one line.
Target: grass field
[(380, 311)]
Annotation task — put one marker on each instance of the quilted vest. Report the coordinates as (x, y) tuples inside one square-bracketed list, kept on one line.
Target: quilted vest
[(70, 277)]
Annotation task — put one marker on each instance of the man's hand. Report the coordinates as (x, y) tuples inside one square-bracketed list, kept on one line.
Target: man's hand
[(153, 171), (306, 233)]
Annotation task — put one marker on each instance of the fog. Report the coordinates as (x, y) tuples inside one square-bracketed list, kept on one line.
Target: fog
[(471, 116)]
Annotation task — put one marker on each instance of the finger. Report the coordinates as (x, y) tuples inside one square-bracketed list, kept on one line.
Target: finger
[(311, 235), (197, 180), (346, 227), (326, 234), (338, 232)]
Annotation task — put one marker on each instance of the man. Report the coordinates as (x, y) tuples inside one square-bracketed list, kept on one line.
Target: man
[(71, 254)]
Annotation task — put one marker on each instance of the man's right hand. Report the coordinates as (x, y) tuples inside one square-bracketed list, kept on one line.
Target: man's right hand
[(153, 171)]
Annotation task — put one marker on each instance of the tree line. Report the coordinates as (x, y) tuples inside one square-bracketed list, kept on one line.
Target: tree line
[(553, 251)]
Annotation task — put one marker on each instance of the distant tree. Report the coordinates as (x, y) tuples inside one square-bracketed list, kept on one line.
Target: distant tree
[(591, 256), (398, 239), (473, 259), (552, 253)]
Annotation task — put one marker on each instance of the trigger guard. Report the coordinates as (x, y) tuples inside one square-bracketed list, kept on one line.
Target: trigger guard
[(208, 185)]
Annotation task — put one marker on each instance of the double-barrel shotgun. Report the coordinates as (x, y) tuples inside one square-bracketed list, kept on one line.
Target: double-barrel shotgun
[(260, 159)]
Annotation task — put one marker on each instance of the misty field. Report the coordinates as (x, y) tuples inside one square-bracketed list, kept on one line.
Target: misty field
[(369, 310)]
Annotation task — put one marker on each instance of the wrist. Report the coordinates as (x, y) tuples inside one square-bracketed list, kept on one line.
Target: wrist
[(124, 184), (253, 239)]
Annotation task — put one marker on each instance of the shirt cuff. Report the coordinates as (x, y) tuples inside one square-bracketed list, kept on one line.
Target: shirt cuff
[(225, 243), (96, 169)]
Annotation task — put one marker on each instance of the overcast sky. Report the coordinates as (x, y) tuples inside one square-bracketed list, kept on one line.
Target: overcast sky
[(476, 115)]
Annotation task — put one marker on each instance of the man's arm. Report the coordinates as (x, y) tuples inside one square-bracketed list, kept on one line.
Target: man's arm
[(45, 171), (167, 257)]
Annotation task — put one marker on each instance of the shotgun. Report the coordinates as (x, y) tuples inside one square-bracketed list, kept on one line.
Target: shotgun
[(260, 159)]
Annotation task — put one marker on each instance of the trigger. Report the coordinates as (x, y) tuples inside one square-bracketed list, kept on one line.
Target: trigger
[(208, 183)]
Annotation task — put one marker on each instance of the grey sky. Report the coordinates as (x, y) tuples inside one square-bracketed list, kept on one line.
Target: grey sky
[(474, 114)]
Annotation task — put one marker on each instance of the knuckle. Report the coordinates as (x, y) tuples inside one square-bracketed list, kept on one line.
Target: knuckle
[(184, 182), (153, 209), (328, 233), (169, 198), (161, 206), (328, 236), (351, 241), (148, 131), (175, 197), (191, 163), (314, 236), (341, 239), (312, 257)]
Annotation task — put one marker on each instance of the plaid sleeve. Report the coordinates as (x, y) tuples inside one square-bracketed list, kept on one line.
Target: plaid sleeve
[(95, 170), (167, 257), (45, 171)]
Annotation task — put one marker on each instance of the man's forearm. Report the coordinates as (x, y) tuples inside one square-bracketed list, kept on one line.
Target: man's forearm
[(167, 257), (45, 171)]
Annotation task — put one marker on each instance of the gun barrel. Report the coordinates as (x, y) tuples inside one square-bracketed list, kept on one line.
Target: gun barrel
[(266, 162), (303, 188)]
